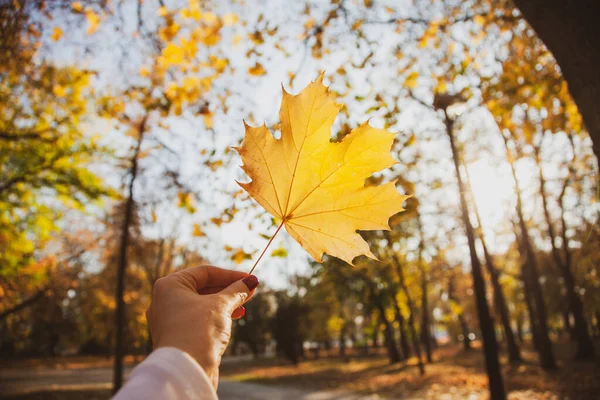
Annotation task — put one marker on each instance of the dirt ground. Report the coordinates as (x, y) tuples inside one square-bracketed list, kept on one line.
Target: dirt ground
[(454, 374)]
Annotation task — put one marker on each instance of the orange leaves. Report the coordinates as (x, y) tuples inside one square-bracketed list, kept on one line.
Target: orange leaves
[(316, 187)]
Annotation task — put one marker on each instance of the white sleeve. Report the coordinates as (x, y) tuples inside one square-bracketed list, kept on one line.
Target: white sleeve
[(168, 373)]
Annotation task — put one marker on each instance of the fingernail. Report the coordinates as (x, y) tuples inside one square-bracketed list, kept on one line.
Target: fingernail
[(251, 282), (243, 311)]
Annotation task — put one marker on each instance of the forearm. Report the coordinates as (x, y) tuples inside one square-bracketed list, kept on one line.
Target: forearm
[(168, 373)]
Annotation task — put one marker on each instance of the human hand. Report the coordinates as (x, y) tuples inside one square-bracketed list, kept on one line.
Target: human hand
[(192, 310)]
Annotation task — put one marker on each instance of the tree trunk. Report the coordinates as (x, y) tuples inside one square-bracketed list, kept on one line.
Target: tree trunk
[(585, 346), (402, 328), (411, 317), (514, 353), (388, 332), (571, 31), (122, 265), (520, 328), (376, 337), (343, 342), (24, 304), (533, 325), (531, 274), (425, 333), (461, 318), (490, 346), (567, 327)]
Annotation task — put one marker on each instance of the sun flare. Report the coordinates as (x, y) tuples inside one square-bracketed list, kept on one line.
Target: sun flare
[(492, 190)]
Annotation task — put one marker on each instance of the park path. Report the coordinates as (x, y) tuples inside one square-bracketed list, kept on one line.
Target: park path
[(21, 382)]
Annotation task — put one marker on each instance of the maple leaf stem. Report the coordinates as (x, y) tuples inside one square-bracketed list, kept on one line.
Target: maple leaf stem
[(267, 246)]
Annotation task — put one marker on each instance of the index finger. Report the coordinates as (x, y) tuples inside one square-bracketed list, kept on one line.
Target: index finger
[(208, 276)]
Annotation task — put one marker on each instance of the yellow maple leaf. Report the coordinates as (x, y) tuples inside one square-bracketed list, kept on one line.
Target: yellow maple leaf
[(317, 187)]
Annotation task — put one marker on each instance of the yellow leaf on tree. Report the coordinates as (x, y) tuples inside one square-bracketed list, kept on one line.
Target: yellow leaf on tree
[(208, 121), (76, 6), (198, 231), (210, 18), (236, 39), (240, 255), (317, 187), (56, 34), (411, 80), (144, 72), (93, 21), (162, 11), (479, 20), (257, 70), (230, 19), (280, 252), (59, 91)]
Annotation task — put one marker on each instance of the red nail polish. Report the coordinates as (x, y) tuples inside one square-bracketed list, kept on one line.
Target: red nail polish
[(251, 282), (243, 311)]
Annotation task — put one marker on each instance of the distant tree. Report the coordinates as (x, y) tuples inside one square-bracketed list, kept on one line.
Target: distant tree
[(253, 328), (288, 326), (531, 275), (45, 157)]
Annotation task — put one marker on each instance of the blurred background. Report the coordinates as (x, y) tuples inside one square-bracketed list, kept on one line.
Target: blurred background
[(117, 121)]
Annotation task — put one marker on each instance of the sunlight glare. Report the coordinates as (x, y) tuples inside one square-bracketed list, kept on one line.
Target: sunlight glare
[(492, 189)]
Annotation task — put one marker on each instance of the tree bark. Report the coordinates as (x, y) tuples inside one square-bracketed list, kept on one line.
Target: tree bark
[(571, 30), (531, 275), (24, 304), (402, 328), (342, 340), (411, 317), (461, 318), (568, 328), (520, 328), (122, 265), (514, 353), (585, 346), (425, 333), (388, 332), (490, 346)]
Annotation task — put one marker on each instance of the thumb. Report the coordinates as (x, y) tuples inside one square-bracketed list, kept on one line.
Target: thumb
[(239, 292)]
